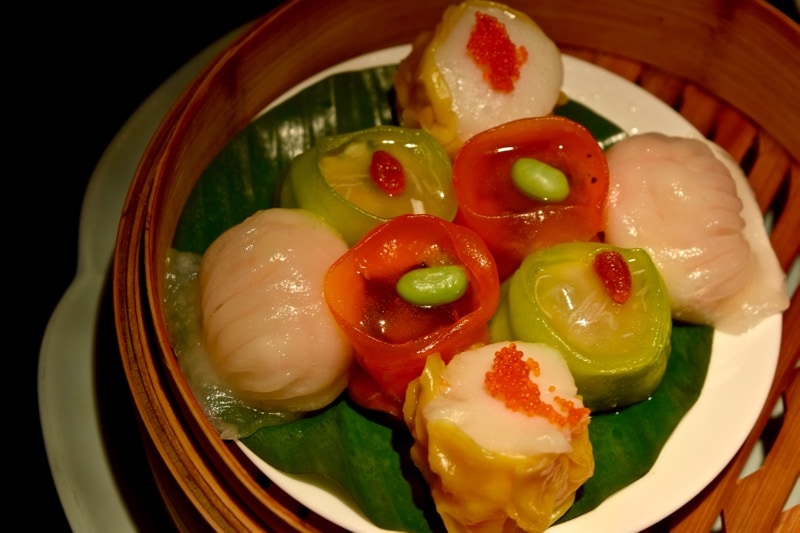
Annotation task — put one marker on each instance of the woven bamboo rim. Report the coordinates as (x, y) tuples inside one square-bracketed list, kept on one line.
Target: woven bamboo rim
[(732, 68)]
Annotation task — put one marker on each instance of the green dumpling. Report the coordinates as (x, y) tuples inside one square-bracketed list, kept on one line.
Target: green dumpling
[(611, 319), (357, 180)]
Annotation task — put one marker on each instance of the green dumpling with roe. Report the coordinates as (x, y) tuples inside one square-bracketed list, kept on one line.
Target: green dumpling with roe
[(357, 180), (605, 308)]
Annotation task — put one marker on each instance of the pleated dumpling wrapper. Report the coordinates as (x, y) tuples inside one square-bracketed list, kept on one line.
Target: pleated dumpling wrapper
[(501, 437), (689, 205), (483, 65), (269, 334)]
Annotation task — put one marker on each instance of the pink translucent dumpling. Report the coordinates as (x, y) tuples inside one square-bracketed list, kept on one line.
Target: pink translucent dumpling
[(267, 328), (689, 205)]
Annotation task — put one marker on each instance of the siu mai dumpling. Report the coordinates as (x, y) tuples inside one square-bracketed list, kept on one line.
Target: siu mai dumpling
[(268, 331), (483, 65), (501, 437), (689, 205)]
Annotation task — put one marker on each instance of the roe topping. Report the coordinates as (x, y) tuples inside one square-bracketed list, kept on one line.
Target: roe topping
[(613, 271), (387, 172), (494, 52), (509, 380)]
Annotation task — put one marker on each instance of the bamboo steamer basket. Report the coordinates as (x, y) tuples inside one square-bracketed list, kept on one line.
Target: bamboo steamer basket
[(730, 67)]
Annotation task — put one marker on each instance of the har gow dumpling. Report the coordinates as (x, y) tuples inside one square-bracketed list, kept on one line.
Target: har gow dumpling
[(269, 334), (689, 205)]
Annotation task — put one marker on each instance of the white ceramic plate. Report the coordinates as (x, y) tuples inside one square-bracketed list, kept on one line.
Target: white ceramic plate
[(739, 378)]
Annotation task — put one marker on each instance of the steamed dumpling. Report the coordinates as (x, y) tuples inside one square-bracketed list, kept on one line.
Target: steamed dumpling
[(501, 436), (266, 326), (689, 205), (484, 64)]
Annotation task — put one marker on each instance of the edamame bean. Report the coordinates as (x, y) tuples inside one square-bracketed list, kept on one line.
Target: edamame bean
[(539, 181), (432, 286)]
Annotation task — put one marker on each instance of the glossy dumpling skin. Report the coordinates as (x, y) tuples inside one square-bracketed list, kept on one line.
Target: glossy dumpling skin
[(689, 205), (445, 89), (617, 348), (491, 468), (268, 331)]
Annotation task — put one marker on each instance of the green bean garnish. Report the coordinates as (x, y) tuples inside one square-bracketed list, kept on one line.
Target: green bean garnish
[(432, 286), (539, 181)]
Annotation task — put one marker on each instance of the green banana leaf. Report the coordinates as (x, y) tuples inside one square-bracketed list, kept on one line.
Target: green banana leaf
[(364, 453)]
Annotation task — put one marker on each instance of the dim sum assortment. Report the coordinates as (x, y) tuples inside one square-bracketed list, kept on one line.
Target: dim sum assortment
[(483, 272)]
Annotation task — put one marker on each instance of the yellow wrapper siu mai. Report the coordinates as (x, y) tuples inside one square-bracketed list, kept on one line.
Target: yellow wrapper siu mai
[(483, 65), (501, 437)]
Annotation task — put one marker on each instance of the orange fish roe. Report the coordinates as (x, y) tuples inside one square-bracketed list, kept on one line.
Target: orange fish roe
[(509, 380), (494, 52)]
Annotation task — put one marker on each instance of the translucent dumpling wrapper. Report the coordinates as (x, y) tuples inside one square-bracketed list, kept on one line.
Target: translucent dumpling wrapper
[(490, 464), (269, 335), (392, 336), (483, 65), (690, 206), (357, 180), (605, 309)]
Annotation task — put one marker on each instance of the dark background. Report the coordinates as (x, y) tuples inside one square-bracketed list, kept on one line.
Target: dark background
[(77, 75), (73, 77)]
